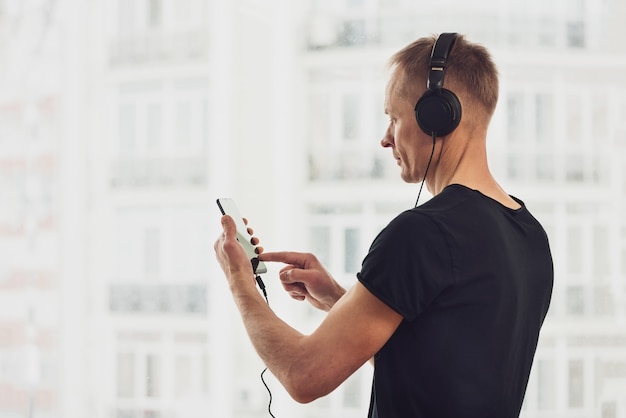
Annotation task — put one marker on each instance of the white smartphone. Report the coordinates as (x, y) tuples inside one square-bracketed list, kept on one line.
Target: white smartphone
[(228, 207)]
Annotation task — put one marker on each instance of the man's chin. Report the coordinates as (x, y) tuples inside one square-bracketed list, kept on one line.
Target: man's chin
[(408, 178)]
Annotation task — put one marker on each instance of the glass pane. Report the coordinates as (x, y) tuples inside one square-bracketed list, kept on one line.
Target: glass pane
[(544, 121), (125, 375), (153, 376), (515, 117), (601, 252), (127, 129), (574, 168), (154, 121), (574, 118), (351, 112), (320, 244), (352, 262), (546, 384), (154, 13), (182, 375), (575, 301), (576, 384), (183, 123), (152, 251)]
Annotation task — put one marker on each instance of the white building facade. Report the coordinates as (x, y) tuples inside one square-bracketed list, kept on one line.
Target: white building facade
[(141, 112)]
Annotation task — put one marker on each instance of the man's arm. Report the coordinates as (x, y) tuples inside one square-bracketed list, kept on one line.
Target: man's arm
[(311, 366), (308, 366)]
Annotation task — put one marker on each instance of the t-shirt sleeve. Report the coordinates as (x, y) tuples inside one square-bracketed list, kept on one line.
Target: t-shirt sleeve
[(408, 264)]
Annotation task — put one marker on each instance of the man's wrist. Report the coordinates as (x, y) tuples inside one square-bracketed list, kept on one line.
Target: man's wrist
[(241, 281)]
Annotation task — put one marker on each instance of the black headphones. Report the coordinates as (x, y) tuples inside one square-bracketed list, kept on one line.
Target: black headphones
[(438, 111)]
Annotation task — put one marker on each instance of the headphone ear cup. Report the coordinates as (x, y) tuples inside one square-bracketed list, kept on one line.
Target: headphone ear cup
[(438, 112)]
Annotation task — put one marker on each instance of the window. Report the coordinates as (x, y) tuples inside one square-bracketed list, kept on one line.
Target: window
[(320, 243), (353, 33), (152, 251), (184, 12), (544, 117), (575, 33), (574, 118), (601, 169), (575, 25), (622, 253), (352, 260), (153, 376), (515, 166), (154, 13), (574, 168), (127, 129), (603, 300), (352, 392), (125, 383), (146, 241), (545, 168), (575, 301), (126, 16), (183, 120), (545, 384), (609, 410), (515, 117), (576, 383), (154, 126), (600, 118), (601, 251), (355, 4), (350, 105), (182, 370)]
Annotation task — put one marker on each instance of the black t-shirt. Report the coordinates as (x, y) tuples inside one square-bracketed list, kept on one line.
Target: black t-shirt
[(472, 280)]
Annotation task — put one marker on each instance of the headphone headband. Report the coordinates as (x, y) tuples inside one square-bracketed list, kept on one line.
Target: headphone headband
[(438, 60)]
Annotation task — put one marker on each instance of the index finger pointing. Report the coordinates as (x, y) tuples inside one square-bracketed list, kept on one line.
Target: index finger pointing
[(287, 257)]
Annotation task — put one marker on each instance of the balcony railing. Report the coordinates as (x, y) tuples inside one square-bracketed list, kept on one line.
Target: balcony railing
[(155, 298), (392, 28), (351, 165), (159, 47), (142, 172)]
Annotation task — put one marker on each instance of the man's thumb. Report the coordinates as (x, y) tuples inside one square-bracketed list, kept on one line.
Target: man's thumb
[(228, 224)]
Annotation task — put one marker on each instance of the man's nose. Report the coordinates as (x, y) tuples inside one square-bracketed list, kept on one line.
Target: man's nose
[(387, 140)]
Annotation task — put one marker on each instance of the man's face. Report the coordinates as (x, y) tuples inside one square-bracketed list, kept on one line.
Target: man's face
[(410, 146)]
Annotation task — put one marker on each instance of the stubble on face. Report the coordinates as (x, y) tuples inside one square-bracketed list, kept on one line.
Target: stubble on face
[(412, 147)]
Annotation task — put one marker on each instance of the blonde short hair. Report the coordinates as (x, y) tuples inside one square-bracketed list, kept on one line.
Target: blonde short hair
[(470, 71)]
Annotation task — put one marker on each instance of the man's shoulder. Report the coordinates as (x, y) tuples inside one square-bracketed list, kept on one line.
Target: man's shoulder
[(449, 198)]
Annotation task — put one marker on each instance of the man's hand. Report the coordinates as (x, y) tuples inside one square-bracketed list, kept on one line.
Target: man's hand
[(304, 278), (231, 255)]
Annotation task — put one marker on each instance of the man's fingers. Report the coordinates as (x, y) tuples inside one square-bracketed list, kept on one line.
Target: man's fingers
[(298, 276), (287, 257), (295, 290)]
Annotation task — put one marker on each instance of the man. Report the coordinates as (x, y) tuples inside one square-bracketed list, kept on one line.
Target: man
[(452, 294)]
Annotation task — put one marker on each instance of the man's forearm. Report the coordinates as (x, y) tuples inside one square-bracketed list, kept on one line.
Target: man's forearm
[(277, 343)]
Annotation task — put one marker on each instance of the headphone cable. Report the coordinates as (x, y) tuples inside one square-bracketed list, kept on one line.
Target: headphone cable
[(259, 281), (432, 152)]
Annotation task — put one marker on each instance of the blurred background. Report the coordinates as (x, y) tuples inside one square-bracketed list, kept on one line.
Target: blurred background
[(121, 122)]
